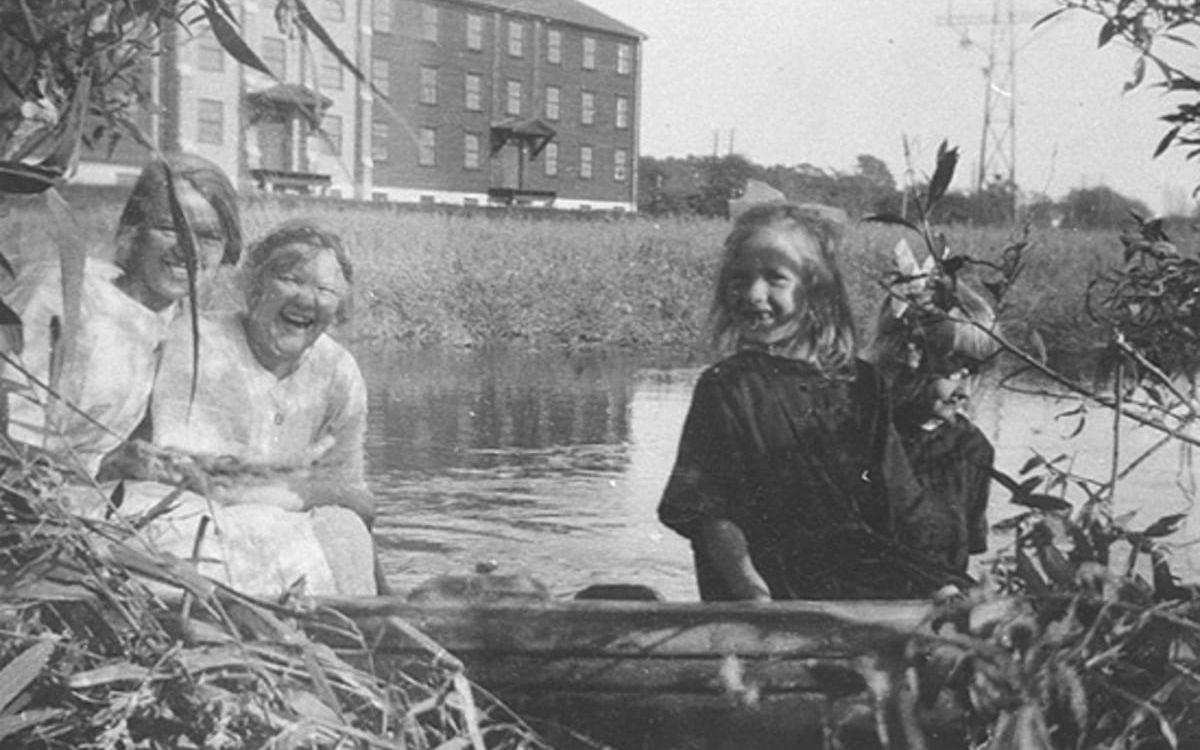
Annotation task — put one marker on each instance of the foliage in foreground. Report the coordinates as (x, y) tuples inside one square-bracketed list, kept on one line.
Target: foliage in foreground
[(107, 644), (1084, 638), (1162, 33)]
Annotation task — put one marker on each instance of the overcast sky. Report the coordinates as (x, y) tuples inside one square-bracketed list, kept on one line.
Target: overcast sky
[(821, 81)]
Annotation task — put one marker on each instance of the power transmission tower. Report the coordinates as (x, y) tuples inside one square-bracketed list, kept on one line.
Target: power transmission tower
[(998, 140)]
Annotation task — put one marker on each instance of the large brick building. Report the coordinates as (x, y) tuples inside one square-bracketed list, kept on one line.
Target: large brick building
[(488, 101)]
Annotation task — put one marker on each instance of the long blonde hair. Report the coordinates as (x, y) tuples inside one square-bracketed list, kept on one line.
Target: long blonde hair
[(825, 336)]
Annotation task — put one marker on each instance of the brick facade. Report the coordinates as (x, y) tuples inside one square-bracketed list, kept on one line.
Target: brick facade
[(523, 101)]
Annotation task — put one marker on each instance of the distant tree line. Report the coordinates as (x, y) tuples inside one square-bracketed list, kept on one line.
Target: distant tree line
[(703, 186)]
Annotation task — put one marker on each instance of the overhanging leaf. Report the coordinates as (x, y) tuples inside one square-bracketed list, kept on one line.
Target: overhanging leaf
[(310, 22), (1107, 32), (1041, 501), (1029, 485), (1008, 524), (1049, 17), (228, 37), (1166, 141), (26, 179), (12, 335), (1032, 464), (891, 219), (69, 135), (1139, 74), (947, 160), (1165, 526), (187, 240)]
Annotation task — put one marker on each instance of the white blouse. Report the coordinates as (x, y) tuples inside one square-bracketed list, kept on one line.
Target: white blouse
[(110, 377), (316, 416)]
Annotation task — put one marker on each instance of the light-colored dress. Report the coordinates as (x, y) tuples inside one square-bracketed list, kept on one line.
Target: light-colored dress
[(109, 378), (315, 417)]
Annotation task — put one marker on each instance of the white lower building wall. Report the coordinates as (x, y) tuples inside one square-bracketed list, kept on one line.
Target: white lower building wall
[(104, 173), (461, 198), (575, 204), (100, 173), (418, 195)]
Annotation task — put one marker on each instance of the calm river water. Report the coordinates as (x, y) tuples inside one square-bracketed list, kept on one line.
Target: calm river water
[(552, 465)]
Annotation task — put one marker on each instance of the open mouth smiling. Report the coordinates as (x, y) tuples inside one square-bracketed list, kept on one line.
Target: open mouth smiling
[(176, 266), (758, 318), (297, 320)]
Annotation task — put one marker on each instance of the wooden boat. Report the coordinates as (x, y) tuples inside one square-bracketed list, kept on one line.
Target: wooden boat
[(636, 674)]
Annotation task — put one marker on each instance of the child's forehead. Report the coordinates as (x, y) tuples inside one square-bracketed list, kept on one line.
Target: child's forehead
[(778, 241)]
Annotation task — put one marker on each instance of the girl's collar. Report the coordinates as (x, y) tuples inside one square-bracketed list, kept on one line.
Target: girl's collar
[(783, 350)]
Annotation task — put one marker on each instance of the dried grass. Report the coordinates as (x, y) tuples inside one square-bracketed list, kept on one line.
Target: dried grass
[(107, 644)]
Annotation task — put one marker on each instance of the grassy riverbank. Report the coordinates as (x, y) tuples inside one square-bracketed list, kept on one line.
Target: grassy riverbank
[(641, 283), (433, 279)]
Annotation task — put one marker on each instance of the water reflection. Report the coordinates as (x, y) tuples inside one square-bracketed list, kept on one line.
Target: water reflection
[(553, 465), (444, 411), (533, 462)]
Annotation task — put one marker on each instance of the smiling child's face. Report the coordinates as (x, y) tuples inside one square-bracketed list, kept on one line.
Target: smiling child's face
[(763, 282), (294, 304)]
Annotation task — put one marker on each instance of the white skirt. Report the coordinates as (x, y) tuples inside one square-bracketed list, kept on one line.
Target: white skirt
[(260, 550)]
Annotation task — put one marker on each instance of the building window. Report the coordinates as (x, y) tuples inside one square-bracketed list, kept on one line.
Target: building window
[(335, 10), (331, 127), (585, 162), (620, 165), (474, 32), (552, 96), (381, 15), (589, 53), (427, 147), (331, 71), (513, 100), (473, 97), (380, 136), (429, 78), (550, 154), (210, 121), (624, 59), (471, 151), (587, 108), (429, 23), (210, 56), (381, 75), (274, 54), (516, 39), (554, 46), (622, 118)]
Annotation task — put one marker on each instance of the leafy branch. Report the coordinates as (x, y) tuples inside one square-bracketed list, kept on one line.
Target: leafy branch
[(1074, 647), (1158, 31)]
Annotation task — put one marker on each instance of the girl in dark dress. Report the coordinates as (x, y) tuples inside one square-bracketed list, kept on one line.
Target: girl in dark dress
[(788, 468), (930, 359)]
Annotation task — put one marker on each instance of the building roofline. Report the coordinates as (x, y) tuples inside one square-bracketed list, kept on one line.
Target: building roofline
[(569, 12)]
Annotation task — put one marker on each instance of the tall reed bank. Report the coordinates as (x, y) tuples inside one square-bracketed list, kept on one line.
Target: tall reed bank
[(440, 279)]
